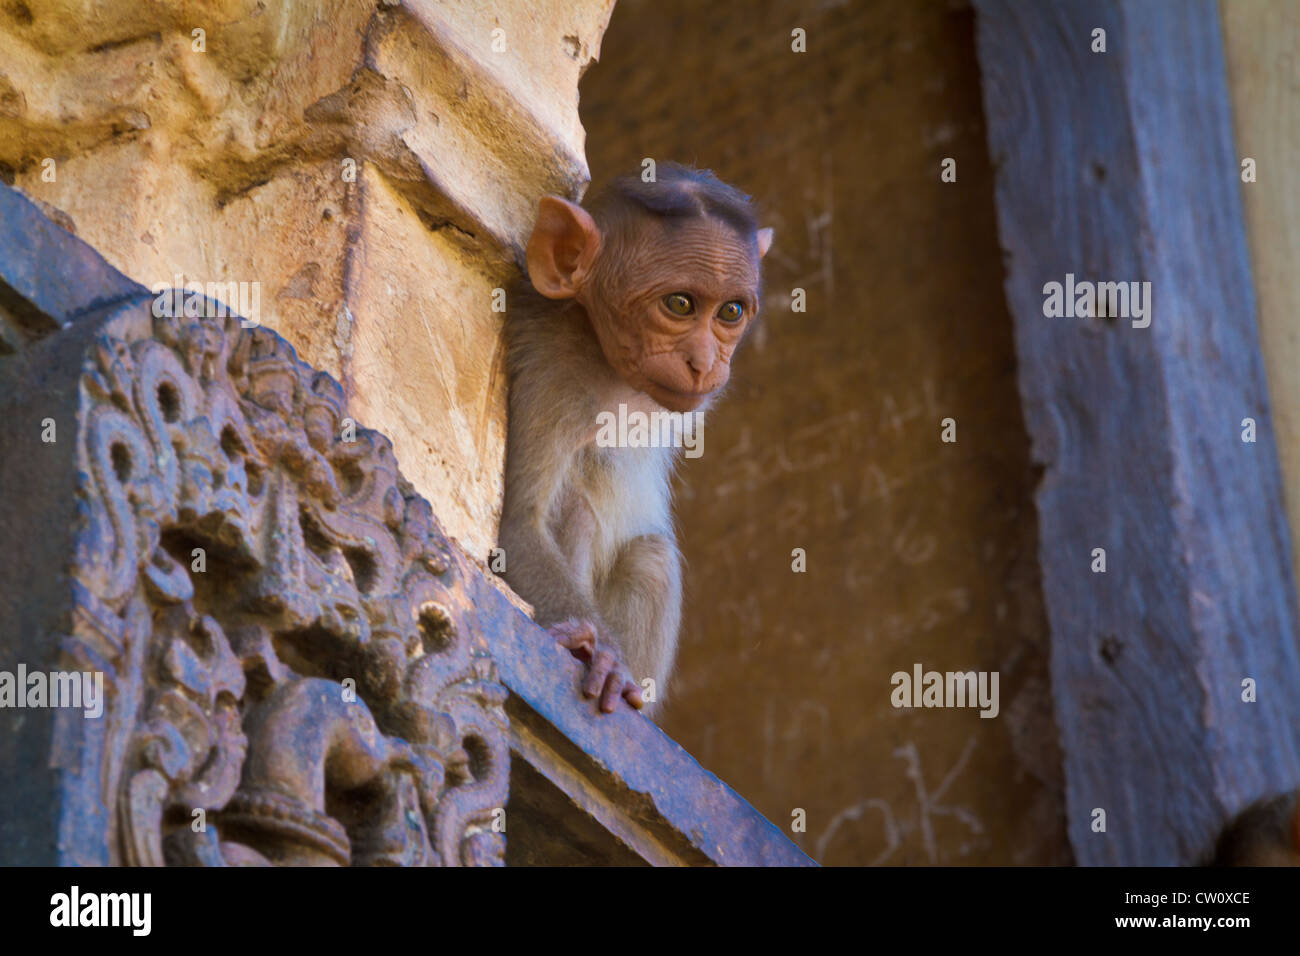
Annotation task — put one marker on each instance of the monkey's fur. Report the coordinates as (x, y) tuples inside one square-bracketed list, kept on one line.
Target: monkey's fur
[(587, 531), (1266, 833)]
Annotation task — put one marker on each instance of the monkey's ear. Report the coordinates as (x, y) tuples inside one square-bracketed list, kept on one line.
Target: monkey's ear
[(562, 248), (764, 241)]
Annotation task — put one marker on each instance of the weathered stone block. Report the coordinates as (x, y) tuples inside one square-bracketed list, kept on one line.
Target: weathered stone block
[(353, 161)]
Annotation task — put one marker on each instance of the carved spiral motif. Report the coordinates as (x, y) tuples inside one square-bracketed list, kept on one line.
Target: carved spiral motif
[(284, 612)]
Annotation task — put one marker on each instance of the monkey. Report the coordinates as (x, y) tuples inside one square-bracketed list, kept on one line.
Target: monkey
[(1266, 833), (639, 300)]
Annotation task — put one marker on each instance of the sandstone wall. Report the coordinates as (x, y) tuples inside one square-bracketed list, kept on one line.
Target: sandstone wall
[(1261, 40), (369, 170)]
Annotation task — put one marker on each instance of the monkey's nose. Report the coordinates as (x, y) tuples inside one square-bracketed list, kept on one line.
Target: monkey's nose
[(697, 374), (699, 361)]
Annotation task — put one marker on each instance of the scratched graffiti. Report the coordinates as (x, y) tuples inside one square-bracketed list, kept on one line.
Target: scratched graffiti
[(929, 806)]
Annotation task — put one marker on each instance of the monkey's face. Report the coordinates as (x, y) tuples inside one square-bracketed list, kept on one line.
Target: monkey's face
[(671, 312)]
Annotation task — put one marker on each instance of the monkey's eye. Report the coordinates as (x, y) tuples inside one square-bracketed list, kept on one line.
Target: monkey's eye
[(731, 312), (679, 303)]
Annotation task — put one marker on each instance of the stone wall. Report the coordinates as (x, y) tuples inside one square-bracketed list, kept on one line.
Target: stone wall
[(917, 551), (368, 170)]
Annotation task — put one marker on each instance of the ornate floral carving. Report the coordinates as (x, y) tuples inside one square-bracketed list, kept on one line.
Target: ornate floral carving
[(293, 669)]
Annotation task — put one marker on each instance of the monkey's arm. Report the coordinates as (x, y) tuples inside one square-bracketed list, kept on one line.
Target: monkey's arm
[(642, 600), (540, 570), (537, 567), (553, 573)]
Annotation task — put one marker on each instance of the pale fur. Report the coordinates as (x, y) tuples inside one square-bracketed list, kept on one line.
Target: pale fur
[(587, 531)]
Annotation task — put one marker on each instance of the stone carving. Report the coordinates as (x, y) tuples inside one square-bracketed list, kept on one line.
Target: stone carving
[(291, 661)]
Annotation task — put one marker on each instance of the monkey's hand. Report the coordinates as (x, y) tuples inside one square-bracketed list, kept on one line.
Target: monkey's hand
[(607, 677)]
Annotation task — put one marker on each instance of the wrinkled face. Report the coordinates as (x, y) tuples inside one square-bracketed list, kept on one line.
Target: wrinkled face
[(671, 312)]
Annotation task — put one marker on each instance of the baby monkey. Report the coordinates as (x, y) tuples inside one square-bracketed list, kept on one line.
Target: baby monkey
[(638, 301), (1267, 833)]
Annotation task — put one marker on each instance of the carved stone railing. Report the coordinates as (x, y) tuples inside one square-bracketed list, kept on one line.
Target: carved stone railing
[(278, 618), (298, 667)]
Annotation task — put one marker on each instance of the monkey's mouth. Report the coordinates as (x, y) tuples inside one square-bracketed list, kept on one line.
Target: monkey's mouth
[(688, 394), (677, 400)]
